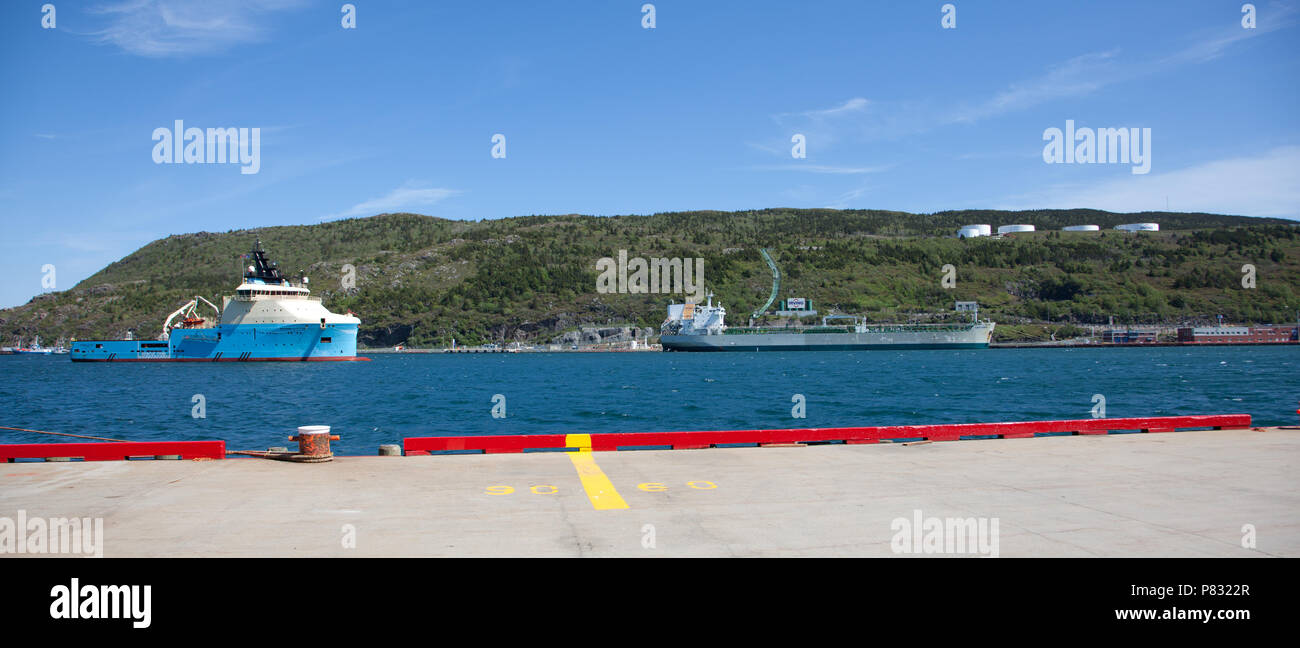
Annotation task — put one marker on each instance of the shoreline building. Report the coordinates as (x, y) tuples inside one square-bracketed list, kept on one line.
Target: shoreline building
[(1130, 336), (1239, 334)]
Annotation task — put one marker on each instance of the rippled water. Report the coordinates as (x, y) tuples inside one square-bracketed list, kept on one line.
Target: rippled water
[(256, 405)]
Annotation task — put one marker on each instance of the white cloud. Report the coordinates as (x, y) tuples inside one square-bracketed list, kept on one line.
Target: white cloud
[(842, 202), (854, 105), (824, 168), (1078, 76), (1263, 185), (1275, 16), (406, 197), (161, 28), (820, 126)]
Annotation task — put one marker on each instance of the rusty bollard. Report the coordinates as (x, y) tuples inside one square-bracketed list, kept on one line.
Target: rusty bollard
[(314, 443)]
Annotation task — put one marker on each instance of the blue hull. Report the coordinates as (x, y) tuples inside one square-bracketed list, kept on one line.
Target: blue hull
[(230, 343)]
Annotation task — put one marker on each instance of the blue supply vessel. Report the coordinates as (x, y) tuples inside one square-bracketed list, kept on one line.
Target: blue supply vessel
[(268, 318)]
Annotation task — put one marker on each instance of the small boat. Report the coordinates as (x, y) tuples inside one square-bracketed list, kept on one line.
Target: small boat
[(34, 349)]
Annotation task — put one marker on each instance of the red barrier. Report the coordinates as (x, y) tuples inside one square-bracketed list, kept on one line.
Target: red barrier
[(852, 435), (115, 451)]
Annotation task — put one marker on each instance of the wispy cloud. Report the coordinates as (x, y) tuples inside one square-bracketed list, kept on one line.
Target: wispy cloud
[(821, 126), (844, 199), (1082, 75), (854, 105), (1211, 46), (825, 168), (163, 28), (408, 196), (1262, 185)]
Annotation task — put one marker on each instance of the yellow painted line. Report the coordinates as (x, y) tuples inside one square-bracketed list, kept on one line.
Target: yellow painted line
[(599, 489)]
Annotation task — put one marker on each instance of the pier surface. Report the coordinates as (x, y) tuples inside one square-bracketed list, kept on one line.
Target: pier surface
[(1174, 494)]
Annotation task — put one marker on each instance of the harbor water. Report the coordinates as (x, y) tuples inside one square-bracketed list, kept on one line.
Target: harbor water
[(256, 405)]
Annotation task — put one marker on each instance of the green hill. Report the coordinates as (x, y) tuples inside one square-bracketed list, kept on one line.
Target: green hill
[(422, 281)]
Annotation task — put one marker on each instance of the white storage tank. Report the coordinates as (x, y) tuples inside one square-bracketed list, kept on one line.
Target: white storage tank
[(1139, 227), (1011, 229), (971, 231), (1081, 228)]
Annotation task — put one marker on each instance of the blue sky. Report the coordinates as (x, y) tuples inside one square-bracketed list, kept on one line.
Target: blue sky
[(602, 116)]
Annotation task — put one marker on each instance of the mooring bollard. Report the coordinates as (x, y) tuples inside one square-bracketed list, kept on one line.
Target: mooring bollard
[(390, 450), (314, 443)]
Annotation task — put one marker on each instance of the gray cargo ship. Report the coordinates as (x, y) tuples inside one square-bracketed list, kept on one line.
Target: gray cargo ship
[(696, 327)]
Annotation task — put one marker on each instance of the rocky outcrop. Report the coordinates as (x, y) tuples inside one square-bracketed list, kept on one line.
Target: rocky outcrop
[(387, 336), (603, 335)]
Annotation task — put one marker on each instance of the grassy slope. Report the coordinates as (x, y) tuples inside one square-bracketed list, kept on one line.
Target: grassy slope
[(422, 280)]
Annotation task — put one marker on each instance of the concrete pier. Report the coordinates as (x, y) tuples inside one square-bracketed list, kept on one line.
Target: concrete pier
[(1195, 493)]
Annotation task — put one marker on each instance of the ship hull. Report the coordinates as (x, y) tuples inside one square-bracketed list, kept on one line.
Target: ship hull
[(231, 343), (975, 337)]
